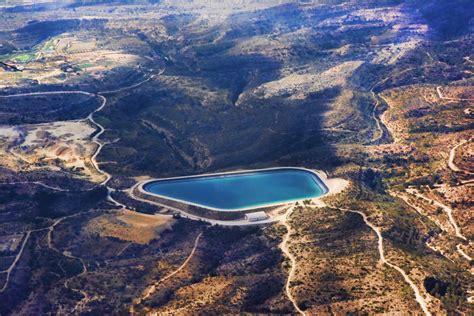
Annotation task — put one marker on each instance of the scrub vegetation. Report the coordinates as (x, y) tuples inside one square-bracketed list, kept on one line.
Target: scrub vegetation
[(376, 92)]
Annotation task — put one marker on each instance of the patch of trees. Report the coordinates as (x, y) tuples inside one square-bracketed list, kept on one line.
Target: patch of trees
[(260, 292), (450, 292), (437, 128), (418, 112), (448, 18), (45, 108), (406, 236), (160, 298), (8, 195), (373, 179), (34, 33), (53, 204), (430, 181)]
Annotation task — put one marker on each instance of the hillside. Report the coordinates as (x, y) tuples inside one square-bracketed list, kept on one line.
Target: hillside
[(98, 96)]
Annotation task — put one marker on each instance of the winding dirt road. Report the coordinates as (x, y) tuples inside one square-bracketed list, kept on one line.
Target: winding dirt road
[(100, 145), (462, 253), (152, 288), (284, 245), (380, 125), (17, 258), (36, 183), (446, 209), (377, 136), (452, 221), (26, 238), (89, 117), (452, 156), (286, 250), (441, 96), (419, 298)]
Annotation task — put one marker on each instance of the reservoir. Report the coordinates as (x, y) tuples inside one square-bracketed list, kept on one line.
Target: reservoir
[(241, 190)]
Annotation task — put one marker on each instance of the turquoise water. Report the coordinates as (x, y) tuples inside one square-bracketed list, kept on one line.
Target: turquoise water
[(242, 190)]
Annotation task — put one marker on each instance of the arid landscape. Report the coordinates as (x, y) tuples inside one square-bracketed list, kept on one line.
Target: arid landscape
[(376, 98)]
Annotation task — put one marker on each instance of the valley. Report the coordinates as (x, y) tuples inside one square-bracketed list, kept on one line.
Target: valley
[(96, 98)]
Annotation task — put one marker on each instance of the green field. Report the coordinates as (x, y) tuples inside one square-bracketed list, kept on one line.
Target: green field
[(24, 58)]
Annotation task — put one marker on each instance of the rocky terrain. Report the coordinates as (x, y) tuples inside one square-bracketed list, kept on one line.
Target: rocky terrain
[(95, 96)]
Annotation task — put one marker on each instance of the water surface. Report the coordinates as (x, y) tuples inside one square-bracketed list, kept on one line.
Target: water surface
[(241, 190)]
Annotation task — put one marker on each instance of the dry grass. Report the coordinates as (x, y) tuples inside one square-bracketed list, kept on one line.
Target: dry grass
[(338, 268), (130, 226)]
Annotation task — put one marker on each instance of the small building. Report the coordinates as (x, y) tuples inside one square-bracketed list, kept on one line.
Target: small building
[(256, 216)]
